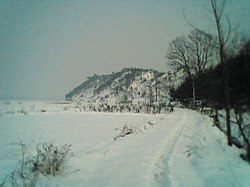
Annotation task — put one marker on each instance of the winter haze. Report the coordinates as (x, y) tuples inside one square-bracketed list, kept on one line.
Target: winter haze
[(48, 47)]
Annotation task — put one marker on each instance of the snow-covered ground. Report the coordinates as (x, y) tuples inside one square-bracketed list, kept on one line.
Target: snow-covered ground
[(180, 149)]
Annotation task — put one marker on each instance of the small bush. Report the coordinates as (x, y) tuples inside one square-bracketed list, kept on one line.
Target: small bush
[(52, 159), (23, 176), (23, 111), (126, 130), (65, 108), (49, 160)]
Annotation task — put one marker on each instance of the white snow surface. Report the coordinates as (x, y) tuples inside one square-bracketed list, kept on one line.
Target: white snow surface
[(181, 149)]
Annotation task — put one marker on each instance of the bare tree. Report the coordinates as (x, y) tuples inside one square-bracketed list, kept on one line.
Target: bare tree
[(191, 54), (201, 46), (221, 41), (179, 55)]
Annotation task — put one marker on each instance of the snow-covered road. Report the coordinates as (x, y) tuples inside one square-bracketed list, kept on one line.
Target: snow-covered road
[(181, 149)]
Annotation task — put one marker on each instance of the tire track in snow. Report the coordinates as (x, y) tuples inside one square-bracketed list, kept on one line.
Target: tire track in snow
[(167, 180), (159, 169)]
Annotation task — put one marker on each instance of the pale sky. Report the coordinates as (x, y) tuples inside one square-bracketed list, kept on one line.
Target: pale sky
[(48, 47)]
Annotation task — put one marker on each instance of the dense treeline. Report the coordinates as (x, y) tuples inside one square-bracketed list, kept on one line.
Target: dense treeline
[(209, 84), (224, 88)]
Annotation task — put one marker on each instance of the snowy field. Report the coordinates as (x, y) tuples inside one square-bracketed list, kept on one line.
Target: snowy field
[(180, 149)]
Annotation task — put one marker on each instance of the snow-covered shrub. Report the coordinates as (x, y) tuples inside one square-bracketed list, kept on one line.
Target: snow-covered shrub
[(23, 111), (66, 108), (23, 176), (126, 130), (51, 159)]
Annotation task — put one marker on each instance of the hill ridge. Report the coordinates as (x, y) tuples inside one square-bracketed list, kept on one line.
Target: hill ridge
[(135, 86)]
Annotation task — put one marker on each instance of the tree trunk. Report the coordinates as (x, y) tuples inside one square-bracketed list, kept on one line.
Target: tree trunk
[(194, 100), (239, 120), (227, 108), (218, 11)]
